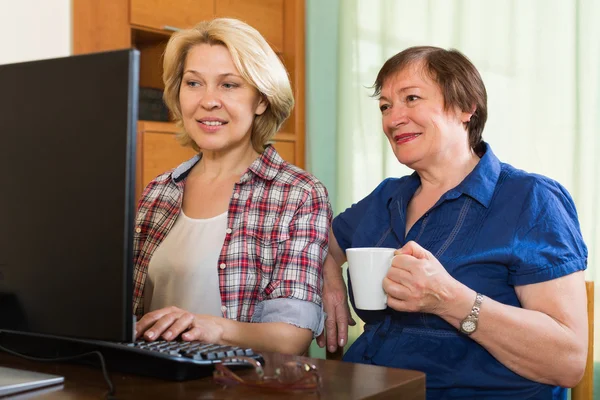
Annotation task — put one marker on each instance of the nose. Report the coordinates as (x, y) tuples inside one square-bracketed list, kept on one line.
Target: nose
[(397, 117), (210, 99)]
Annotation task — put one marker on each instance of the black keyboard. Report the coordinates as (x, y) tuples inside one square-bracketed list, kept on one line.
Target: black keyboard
[(175, 360), (195, 350)]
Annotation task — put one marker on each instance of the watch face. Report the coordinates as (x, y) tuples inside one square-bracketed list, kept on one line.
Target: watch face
[(469, 326)]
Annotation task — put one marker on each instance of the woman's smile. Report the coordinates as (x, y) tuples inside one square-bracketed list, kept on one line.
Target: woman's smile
[(211, 124), (406, 137)]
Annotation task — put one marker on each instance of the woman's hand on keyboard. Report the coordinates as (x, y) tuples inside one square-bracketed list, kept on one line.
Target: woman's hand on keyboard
[(171, 322)]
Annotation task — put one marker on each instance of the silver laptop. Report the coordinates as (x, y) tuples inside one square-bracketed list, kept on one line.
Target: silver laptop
[(17, 380)]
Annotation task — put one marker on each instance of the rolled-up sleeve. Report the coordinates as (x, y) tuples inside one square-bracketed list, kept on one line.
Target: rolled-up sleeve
[(300, 313), (297, 278)]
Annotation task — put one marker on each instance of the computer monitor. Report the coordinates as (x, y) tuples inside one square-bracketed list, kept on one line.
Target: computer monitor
[(67, 197)]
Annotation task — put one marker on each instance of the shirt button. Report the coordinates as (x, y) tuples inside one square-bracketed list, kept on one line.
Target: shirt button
[(222, 266), (138, 230), (223, 308), (236, 195), (228, 230)]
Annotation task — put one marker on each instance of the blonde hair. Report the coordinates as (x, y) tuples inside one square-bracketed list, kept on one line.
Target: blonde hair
[(255, 60)]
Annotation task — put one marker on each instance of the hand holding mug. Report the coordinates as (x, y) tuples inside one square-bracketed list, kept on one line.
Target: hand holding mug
[(417, 282)]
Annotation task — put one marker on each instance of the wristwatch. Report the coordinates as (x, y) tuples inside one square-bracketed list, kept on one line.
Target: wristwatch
[(469, 324)]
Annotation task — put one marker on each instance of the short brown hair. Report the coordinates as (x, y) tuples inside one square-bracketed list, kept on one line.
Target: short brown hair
[(255, 60), (457, 77)]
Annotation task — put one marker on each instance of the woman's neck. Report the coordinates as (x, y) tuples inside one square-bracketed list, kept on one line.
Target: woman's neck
[(216, 165), (448, 171)]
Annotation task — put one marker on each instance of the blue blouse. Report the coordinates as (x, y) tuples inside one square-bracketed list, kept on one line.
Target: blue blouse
[(499, 228)]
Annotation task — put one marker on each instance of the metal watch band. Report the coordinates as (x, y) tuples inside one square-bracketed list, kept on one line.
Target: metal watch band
[(476, 306), (469, 324)]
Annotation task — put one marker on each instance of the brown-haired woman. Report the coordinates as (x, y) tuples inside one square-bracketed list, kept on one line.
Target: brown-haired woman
[(486, 292)]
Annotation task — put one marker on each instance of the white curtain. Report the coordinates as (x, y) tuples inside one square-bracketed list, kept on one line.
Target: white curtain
[(540, 61)]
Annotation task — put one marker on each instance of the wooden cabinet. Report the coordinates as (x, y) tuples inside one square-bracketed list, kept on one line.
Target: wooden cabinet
[(286, 147), (158, 151), (100, 25), (267, 16), (169, 14)]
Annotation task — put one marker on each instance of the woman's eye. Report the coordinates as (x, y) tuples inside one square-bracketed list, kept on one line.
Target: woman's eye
[(411, 97), (230, 85), (384, 107), (192, 83)]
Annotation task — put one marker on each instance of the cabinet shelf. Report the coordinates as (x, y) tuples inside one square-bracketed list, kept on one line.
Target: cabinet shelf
[(142, 35)]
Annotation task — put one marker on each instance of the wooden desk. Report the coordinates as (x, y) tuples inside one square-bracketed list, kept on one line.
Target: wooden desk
[(340, 381)]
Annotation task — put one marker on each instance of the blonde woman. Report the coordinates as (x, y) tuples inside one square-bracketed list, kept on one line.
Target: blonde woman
[(229, 245)]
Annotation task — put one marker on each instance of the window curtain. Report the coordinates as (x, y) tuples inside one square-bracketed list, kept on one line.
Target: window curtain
[(540, 61)]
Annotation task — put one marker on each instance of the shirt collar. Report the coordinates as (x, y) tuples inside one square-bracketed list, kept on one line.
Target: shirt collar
[(266, 166), (480, 184), (181, 172)]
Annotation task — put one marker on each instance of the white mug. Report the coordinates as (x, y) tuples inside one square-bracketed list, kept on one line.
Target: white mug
[(367, 267)]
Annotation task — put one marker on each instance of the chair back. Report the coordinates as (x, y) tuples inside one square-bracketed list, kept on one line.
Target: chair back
[(585, 388)]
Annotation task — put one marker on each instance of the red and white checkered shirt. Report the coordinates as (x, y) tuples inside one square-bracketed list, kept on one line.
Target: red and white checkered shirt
[(276, 242)]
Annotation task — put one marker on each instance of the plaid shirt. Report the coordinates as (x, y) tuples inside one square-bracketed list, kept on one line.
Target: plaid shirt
[(276, 239)]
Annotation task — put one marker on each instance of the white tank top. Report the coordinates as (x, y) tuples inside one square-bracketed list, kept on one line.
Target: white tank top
[(183, 271)]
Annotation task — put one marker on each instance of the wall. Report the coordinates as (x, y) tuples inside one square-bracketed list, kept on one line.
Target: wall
[(321, 91), (34, 29), (321, 99)]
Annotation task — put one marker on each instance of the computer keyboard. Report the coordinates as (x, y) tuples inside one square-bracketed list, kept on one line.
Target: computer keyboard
[(175, 360), (194, 350)]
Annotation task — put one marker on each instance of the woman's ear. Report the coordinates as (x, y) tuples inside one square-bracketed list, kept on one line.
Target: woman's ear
[(465, 116), (262, 105)]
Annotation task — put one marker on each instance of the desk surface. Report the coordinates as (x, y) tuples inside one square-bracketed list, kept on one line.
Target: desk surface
[(341, 380)]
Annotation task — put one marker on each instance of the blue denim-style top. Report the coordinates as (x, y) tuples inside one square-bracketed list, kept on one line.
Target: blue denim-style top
[(499, 228)]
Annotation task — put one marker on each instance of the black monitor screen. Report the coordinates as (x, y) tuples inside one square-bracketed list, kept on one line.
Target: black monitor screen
[(67, 159)]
